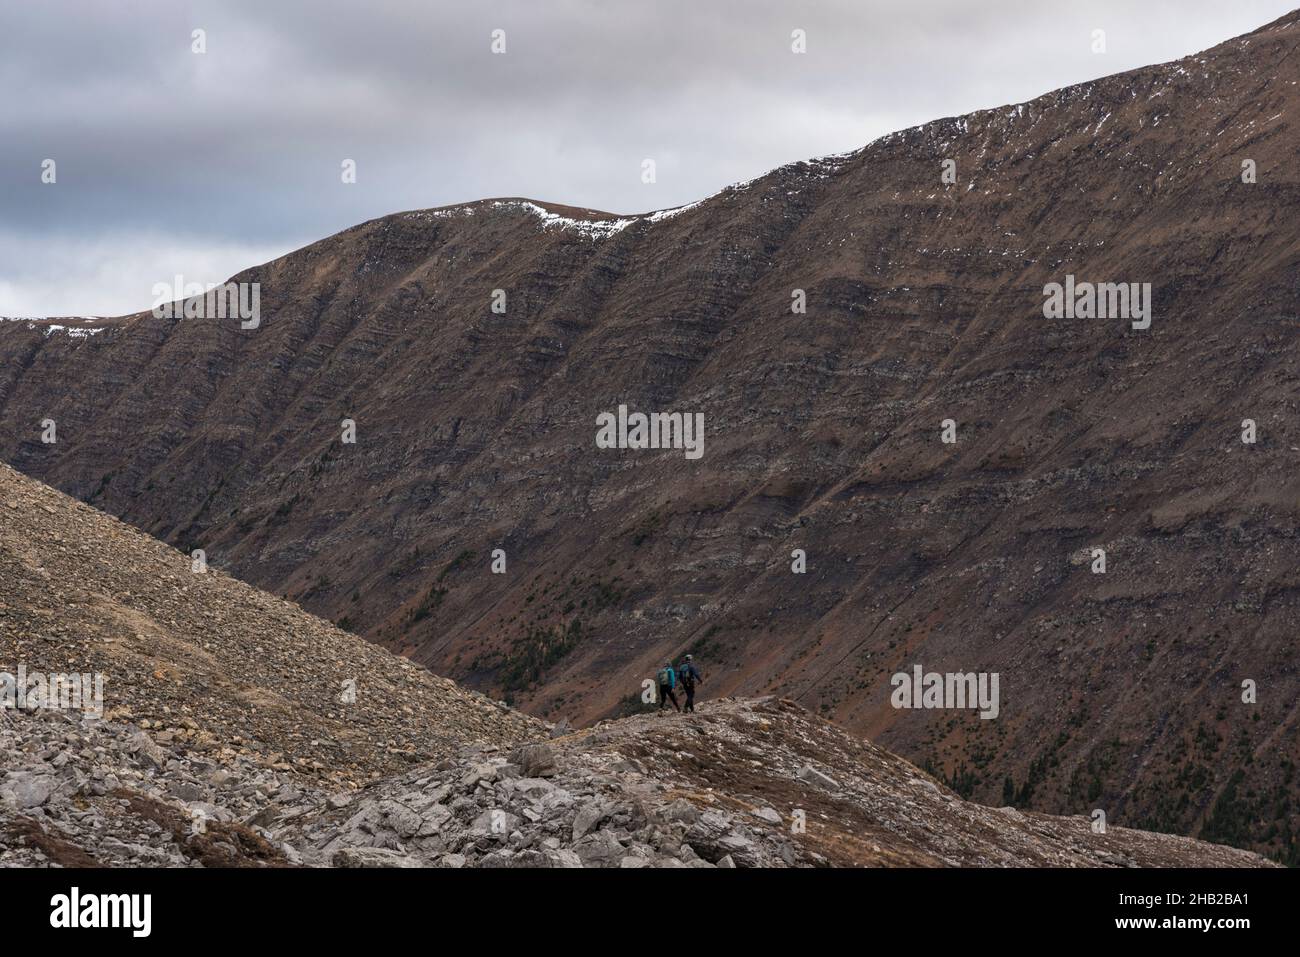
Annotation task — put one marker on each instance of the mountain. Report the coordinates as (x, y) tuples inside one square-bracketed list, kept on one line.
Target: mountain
[(224, 740), (477, 430)]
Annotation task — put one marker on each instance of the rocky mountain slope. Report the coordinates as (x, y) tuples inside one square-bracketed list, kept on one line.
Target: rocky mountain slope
[(222, 743), (203, 661), (475, 431), (743, 783)]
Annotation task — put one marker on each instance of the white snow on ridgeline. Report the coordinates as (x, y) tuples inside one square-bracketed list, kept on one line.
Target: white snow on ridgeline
[(593, 228), (660, 215), (43, 322), (74, 332), (821, 167)]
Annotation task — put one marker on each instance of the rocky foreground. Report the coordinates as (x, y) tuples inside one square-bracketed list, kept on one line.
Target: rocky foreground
[(226, 740), (745, 783)]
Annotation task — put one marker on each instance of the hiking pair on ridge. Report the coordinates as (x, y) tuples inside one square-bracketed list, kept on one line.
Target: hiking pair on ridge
[(688, 676)]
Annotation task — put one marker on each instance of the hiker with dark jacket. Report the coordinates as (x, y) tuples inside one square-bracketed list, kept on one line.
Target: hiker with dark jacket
[(667, 680), (690, 677)]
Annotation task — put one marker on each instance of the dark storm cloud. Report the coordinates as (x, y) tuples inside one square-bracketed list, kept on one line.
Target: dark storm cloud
[(170, 161)]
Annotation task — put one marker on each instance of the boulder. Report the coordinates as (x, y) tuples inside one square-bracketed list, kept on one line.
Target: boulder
[(535, 761), (813, 776), (30, 790), (143, 747), (372, 857), (588, 816)]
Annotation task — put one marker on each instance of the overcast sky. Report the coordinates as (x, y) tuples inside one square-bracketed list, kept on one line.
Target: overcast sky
[(171, 161)]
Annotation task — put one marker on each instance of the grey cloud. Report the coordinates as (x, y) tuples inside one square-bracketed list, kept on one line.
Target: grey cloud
[(240, 149)]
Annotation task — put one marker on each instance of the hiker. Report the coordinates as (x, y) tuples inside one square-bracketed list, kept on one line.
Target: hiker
[(667, 679), (690, 676)]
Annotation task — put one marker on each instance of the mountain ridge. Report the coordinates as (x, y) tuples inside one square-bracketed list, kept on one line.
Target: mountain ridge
[(589, 213)]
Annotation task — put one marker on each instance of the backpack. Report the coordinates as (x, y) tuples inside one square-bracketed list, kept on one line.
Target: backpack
[(665, 678), (688, 675)]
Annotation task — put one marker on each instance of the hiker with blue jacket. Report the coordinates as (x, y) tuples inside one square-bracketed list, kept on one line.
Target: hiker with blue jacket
[(667, 681), (689, 675)]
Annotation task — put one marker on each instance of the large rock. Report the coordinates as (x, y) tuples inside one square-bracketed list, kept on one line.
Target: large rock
[(144, 747), (400, 819), (588, 816), (535, 761), (813, 776), (681, 811), (30, 790), (372, 857), (601, 849)]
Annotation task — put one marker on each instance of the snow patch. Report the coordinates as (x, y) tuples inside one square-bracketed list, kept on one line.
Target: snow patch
[(592, 228), (661, 215)]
